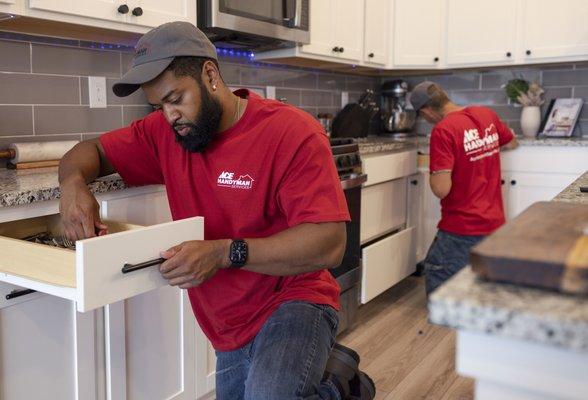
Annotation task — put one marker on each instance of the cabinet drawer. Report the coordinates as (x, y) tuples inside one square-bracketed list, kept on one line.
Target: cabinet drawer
[(386, 263), (385, 167), (90, 275), (383, 209)]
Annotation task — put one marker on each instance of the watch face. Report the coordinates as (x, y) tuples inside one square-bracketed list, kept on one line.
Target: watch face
[(238, 253)]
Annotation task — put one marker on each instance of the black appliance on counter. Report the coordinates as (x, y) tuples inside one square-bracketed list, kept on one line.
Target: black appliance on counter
[(357, 119), (348, 273)]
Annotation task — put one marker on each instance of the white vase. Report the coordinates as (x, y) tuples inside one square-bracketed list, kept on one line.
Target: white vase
[(530, 121)]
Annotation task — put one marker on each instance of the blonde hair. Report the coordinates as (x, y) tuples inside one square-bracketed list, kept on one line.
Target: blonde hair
[(437, 97)]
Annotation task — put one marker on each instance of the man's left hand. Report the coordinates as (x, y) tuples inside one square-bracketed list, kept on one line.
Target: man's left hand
[(191, 263)]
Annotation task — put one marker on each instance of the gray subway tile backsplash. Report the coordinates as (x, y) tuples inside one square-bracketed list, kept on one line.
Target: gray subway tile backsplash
[(75, 61), (290, 96), (38, 89), (565, 77), (133, 113), (480, 97), (51, 120), (300, 79), (137, 98), (15, 57), (16, 120)]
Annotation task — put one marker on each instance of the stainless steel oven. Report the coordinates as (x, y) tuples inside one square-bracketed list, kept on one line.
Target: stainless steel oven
[(255, 24)]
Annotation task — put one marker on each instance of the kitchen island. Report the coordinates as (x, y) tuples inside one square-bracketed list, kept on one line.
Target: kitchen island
[(518, 343)]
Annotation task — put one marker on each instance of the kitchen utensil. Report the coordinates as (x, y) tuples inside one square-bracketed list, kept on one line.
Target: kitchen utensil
[(36, 154), (546, 246), (396, 117)]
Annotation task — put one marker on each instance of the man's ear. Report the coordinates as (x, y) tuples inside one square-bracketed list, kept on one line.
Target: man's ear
[(211, 75)]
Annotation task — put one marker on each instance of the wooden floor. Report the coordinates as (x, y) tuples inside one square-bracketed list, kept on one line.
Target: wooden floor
[(407, 357)]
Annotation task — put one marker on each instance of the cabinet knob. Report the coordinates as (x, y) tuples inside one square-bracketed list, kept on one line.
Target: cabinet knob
[(513, 182), (341, 49), (436, 59), (137, 11), (528, 52), (508, 54), (502, 182), (371, 55), (414, 182), (123, 9), (336, 49)]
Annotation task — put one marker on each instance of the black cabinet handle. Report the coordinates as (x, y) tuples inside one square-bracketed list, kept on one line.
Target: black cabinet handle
[(513, 182), (18, 293), (436, 59), (508, 54), (341, 49), (371, 55), (414, 182), (137, 11), (336, 49), (134, 267), (123, 9), (528, 52)]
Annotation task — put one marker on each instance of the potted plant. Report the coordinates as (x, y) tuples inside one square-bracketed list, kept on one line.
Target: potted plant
[(520, 91)]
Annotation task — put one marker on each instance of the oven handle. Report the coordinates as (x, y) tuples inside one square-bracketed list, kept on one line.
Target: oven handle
[(353, 182)]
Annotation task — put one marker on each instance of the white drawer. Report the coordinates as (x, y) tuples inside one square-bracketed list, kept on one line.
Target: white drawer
[(385, 167), (91, 275), (383, 209), (386, 263)]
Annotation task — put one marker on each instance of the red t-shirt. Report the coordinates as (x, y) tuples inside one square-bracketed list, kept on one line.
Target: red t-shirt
[(271, 171), (467, 142)]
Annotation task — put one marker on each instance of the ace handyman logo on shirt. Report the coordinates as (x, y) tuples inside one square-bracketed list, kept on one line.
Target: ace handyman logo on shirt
[(473, 143), (227, 179)]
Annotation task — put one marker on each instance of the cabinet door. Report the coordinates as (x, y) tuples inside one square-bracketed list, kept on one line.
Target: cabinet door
[(417, 33), (150, 342), (554, 29), (47, 351), (349, 29), (101, 9), (205, 366), (157, 12), (481, 32), (377, 31), (528, 188), (322, 28), (431, 213)]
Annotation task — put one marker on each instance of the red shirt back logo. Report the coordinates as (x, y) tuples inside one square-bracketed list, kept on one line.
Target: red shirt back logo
[(227, 179)]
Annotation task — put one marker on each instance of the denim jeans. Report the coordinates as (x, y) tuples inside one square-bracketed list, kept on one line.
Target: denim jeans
[(448, 254), (286, 360)]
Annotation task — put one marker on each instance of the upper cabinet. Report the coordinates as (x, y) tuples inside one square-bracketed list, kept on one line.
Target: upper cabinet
[(481, 32), (336, 29), (417, 33), (554, 30), (133, 15), (377, 32)]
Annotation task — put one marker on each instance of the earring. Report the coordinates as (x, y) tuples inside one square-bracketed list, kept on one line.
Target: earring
[(214, 86)]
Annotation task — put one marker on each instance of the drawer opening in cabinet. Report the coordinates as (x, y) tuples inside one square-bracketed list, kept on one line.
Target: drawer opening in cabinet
[(36, 248)]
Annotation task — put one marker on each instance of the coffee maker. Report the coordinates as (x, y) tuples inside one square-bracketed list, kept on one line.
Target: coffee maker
[(397, 120)]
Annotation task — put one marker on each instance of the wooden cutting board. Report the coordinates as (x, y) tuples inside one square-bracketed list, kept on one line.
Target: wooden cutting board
[(546, 246)]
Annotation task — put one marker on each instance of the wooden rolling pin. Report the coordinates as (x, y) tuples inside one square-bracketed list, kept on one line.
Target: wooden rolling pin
[(36, 154)]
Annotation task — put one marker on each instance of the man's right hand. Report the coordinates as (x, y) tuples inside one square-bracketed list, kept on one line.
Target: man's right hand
[(79, 211)]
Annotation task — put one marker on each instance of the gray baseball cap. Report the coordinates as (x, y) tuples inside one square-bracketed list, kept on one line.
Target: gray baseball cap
[(420, 95), (156, 50)]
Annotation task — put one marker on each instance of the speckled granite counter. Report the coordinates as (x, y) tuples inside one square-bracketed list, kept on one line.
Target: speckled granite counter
[(572, 142), (468, 303), (375, 144), (29, 186), (572, 193)]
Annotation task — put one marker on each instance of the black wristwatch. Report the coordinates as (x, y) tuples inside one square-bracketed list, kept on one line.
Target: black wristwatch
[(238, 253)]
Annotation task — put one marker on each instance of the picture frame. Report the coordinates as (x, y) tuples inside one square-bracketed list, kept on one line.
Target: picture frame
[(561, 118)]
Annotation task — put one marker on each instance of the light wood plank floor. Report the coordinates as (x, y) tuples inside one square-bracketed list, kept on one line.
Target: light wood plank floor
[(408, 358)]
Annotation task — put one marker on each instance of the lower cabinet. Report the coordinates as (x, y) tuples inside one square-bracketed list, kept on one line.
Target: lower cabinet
[(387, 262), (383, 208)]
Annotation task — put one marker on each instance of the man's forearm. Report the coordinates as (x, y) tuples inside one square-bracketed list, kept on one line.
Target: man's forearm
[(81, 163), (303, 248)]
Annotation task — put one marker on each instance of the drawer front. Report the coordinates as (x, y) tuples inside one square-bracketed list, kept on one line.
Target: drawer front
[(94, 268), (383, 208), (386, 263), (385, 167)]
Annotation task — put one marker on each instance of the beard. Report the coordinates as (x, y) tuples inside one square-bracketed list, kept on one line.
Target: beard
[(202, 131)]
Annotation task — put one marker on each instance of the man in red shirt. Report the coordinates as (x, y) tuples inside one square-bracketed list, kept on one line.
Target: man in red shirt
[(465, 175), (262, 175)]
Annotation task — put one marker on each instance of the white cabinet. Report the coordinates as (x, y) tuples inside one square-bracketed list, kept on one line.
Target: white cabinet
[(205, 366), (151, 338), (418, 33), (336, 29), (415, 216), (383, 209), (377, 32), (101, 9), (157, 12), (554, 30), (481, 32), (11, 6)]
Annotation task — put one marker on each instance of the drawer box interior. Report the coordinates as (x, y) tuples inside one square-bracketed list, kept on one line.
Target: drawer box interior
[(41, 262)]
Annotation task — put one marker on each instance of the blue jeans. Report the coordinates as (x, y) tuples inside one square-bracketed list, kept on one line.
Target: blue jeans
[(448, 254), (286, 360)]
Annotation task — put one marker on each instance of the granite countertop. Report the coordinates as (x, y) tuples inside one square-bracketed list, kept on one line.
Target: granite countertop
[(468, 303), (377, 144), (29, 186)]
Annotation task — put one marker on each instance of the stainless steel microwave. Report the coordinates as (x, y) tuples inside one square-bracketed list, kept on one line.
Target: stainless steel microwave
[(255, 24)]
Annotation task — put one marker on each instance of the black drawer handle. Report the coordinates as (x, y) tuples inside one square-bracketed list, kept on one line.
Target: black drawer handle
[(371, 55), (134, 267), (341, 49), (508, 54), (336, 49), (123, 9), (137, 11), (436, 59), (528, 52), (17, 293), (414, 182), (513, 182)]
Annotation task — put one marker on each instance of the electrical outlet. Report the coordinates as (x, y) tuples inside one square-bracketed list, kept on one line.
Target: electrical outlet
[(97, 91), (270, 92), (344, 99)]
